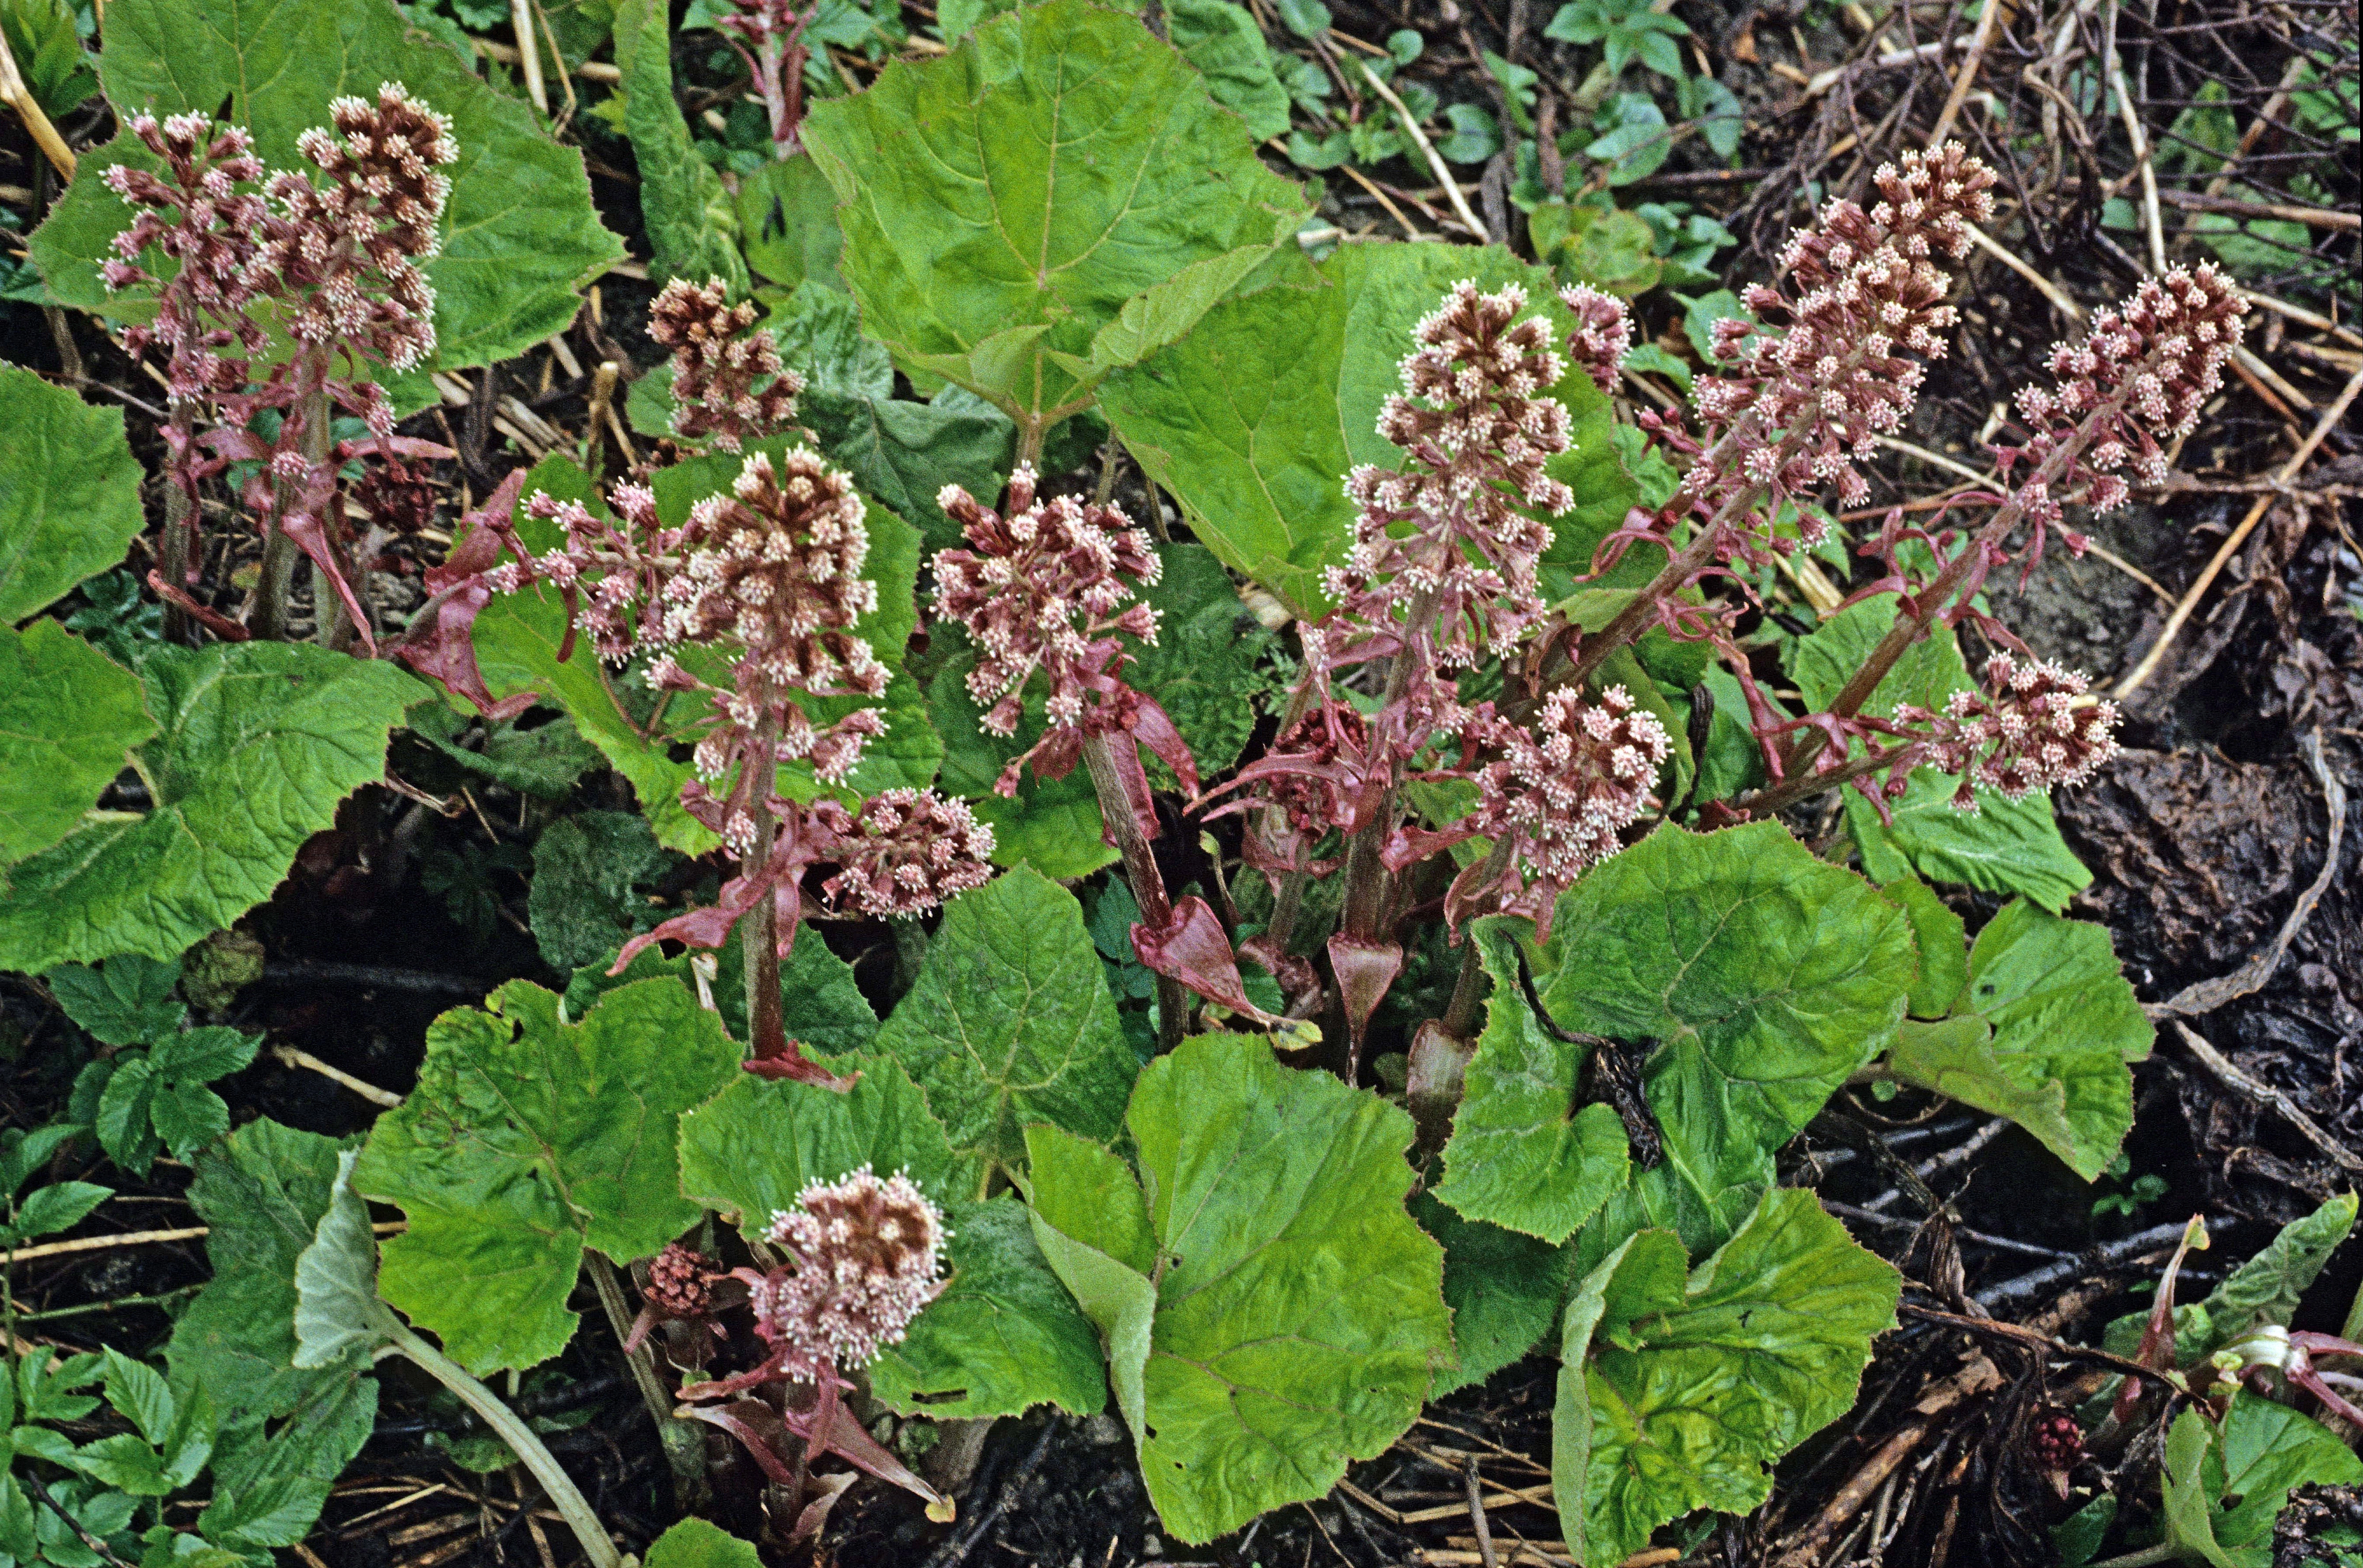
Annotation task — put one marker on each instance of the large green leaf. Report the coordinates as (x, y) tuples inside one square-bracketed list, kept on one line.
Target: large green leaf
[(2043, 1035), (787, 223), (1253, 419), (1202, 669), (283, 1433), (2004, 846), (69, 491), (1524, 1154), (1692, 1397), (1010, 1021), (1003, 203), (258, 742), (1767, 974), (69, 719), (1005, 1335), (1298, 1317), (1504, 1288), (2223, 1487), (520, 234), (691, 220), (528, 1138)]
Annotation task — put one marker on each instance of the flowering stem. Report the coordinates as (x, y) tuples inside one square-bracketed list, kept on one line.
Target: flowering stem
[(180, 522), (1460, 1014), (1119, 812), (759, 933), (279, 552)]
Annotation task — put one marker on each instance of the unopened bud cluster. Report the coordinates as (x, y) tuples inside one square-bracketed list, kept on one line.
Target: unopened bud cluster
[(728, 383), (1044, 585), (866, 1256), (681, 1282), (1477, 421), (204, 216), (1603, 334)]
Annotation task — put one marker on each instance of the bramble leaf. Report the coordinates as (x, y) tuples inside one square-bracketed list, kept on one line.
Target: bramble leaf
[(1692, 1393), (1002, 203), (521, 236), (283, 1434), (258, 742), (128, 1000), (1298, 1317), (528, 1138), (1767, 974), (69, 492), (2043, 1035), (1523, 1153), (1010, 1021)]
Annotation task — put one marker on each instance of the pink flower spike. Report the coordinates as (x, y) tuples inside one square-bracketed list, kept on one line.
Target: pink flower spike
[(728, 383)]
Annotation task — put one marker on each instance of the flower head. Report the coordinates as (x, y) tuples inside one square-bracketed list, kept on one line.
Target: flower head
[(908, 851), (2032, 727), (1802, 404), (1476, 420), (681, 1282), (348, 253), (2135, 381), (1045, 585), (203, 214), (866, 1254), (1602, 335), (728, 383), (1562, 795)]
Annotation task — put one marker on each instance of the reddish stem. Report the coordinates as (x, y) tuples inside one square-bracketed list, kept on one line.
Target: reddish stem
[(1120, 814)]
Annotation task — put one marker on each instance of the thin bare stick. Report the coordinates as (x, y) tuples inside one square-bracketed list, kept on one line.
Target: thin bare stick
[(2049, 289), (2140, 139), (142, 1238), (2130, 570), (1968, 75), (530, 53), (2208, 995), (1468, 1481), (2233, 540), (1435, 161), (2256, 1089), (20, 97), (311, 1063)]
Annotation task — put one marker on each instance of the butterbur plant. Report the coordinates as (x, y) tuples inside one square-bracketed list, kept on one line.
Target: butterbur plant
[(1393, 867)]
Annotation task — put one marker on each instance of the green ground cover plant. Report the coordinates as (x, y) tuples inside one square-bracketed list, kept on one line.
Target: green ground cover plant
[(1352, 928)]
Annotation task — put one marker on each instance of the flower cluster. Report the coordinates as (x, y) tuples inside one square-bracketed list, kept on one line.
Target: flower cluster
[(2032, 727), (729, 384), (2135, 381), (681, 1282), (1043, 587), (1559, 796), (201, 216), (1476, 421), (348, 253), (908, 851), (1602, 335), (1803, 404), (866, 1256)]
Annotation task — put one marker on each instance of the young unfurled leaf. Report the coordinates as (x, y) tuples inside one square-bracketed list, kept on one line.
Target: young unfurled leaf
[(1695, 1386), (1524, 1154), (260, 742), (528, 1138), (69, 489), (283, 1433), (2263, 1290), (522, 236), (1071, 161), (1010, 1021), (1297, 1317), (1767, 975), (2043, 1035)]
